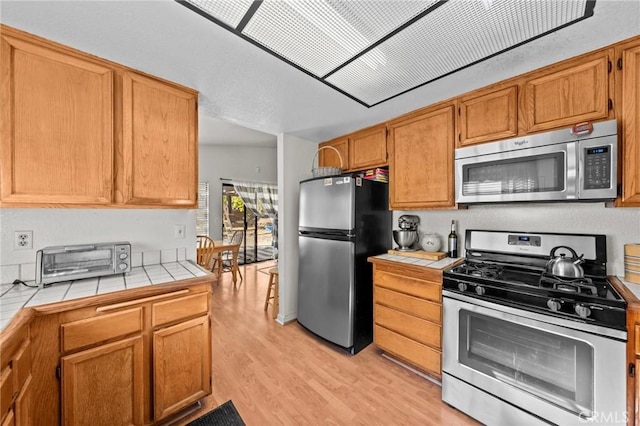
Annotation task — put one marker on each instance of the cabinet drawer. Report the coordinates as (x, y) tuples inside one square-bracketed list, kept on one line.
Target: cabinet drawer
[(22, 365), (408, 350), (182, 308), (409, 326), (90, 331), (409, 304), (414, 287), (6, 390)]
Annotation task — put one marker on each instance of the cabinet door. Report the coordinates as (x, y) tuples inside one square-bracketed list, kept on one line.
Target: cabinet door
[(23, 405), (368, 148), (159, 143), (328, 157), (421, 159), (104, 385), (488, 115), (568, 94), (57, 126), (630, 120), (181, 365)]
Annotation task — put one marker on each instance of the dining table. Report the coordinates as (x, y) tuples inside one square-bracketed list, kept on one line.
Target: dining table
[(221, 247)]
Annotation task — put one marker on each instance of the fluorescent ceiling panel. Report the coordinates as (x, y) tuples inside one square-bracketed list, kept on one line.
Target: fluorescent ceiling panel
[(374, 50)]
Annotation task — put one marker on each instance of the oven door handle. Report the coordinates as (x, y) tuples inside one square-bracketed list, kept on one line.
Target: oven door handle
[(529, 317)]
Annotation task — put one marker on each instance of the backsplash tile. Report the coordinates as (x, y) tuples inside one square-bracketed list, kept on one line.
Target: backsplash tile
[(151, 258), (182, 254), (167, 256), (28, 272), (8, 273), (136, 259)]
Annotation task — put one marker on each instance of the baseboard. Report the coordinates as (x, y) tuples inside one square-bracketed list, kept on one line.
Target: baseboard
[(413, 370)]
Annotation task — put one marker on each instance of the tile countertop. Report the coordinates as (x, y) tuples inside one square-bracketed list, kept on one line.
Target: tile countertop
[(13, 297), (441, 264)]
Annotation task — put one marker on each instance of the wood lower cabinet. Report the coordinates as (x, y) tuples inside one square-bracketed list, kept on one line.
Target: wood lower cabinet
[(15, 377), (136, 362), (628, 114), (407, 314), (488, 115), (80, 131), (421, 159), (181, 365), (568, 93), (104, 385)]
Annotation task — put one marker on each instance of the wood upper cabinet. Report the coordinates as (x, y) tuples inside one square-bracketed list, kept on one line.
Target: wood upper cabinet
[(334, 153), (368, 148), (57, 135), (487, 115), (77, 130), (628, 114), (421, 148), (104, 385), (571, 92), (159, 142)]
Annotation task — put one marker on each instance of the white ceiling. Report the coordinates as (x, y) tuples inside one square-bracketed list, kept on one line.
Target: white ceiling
[(242, 86)]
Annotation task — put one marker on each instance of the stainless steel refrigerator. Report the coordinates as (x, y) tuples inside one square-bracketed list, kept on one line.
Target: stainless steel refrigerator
[(343, 220)]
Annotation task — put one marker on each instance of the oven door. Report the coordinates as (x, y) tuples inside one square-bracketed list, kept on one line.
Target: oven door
[(559, 374), (534, 174)]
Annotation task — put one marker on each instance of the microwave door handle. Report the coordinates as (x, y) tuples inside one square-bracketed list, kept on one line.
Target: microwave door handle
[(79, 248), (572, 170)]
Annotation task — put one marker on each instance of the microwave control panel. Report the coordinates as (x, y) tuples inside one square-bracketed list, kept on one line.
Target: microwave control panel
[(597, 167)]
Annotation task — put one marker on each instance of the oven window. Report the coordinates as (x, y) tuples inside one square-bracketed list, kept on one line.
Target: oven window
[(536, 173), (556, 368), (85, 261)]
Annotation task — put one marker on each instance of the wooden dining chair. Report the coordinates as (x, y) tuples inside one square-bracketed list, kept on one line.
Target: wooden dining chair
[(230, 257), (204, 253)]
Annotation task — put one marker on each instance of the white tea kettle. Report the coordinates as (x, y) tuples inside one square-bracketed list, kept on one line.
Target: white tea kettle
[(564, 267)]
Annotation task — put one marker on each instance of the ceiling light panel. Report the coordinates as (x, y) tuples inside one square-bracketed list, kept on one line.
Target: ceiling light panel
[(453, 36), (319, 36), (229, 12)]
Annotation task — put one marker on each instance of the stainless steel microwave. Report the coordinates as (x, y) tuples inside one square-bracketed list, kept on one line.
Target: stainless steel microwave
[(74, 262), (580, 163)]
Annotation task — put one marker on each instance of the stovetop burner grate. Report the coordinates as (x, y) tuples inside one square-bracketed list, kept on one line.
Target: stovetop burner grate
[(569, 285)]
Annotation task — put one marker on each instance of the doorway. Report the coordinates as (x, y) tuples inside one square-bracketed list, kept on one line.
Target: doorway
[(257, 245)]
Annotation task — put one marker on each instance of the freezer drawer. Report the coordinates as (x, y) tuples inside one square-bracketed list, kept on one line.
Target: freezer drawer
[(326, 288)]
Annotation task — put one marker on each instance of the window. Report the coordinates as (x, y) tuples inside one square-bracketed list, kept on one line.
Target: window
[(202, 215)]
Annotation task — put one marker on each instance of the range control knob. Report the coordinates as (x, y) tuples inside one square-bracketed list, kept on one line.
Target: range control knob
[(480, 290), (122, 266), (123, 256), (582, 310), (554, 304), (462, 286)]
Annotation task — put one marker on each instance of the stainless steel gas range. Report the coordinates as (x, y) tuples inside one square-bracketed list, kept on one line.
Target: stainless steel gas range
[(522, 345)]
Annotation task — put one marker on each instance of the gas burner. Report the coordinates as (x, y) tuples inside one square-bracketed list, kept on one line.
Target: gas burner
[(569, 285), (483, 270)]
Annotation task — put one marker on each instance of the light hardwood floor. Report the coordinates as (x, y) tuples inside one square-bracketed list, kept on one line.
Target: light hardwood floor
[(284, 375)]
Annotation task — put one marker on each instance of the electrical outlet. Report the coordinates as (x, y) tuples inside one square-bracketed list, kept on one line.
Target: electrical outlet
[(23, 240), (179, 231)]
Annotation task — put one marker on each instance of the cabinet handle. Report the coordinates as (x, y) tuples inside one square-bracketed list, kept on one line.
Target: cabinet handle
[(58, 373), (632, 370), (138, 301), (619, 63)]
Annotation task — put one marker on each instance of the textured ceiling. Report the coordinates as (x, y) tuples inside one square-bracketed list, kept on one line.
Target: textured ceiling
[(241, 84)]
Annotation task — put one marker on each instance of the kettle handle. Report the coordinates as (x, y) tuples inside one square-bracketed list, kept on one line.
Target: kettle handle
[(573, 252)]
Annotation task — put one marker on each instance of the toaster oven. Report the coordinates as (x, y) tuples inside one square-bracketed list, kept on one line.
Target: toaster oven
[(74, 262)]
